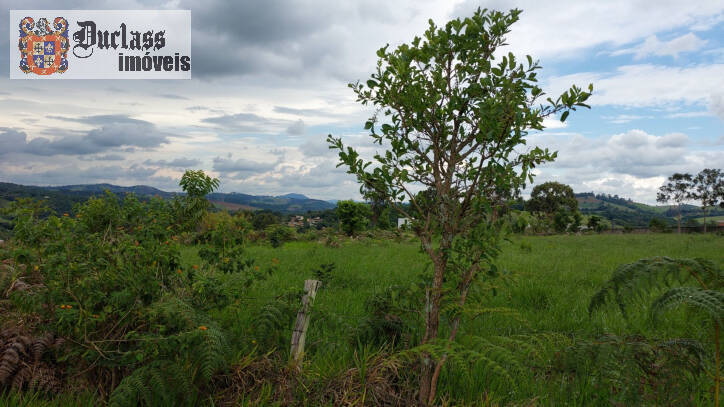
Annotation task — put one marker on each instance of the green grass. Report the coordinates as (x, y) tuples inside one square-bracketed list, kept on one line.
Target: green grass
[(710, 218), (553, 279)]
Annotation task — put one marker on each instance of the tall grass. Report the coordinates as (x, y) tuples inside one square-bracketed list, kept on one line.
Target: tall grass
[(552, 281)]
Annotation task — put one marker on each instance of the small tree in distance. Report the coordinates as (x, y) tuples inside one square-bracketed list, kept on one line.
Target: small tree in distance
[(558, 202), (709, 189), (677, 189), (194, 205), (453, 121), (353, 216)]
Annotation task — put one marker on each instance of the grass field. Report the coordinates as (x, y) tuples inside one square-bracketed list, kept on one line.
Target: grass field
[(549, 281), (552, 281)]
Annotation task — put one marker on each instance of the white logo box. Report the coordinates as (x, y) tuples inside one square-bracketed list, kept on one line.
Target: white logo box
[(100, 44)]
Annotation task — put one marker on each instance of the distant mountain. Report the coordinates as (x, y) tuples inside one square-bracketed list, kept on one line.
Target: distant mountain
[(290, 203), (294, 196), (99, 188), (62, 198)]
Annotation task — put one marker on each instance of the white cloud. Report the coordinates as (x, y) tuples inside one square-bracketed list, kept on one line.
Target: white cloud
[(716, 105), (647, 84), (565, 28), (653, 46), (631, 164)]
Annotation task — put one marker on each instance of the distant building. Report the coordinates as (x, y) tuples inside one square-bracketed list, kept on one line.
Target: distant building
[(299, 221), (403, 222), (296, 221)]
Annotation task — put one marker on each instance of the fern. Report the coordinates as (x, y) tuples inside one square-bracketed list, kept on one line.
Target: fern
[(635, 370), (161, 383), (634, 279), (708, 301)]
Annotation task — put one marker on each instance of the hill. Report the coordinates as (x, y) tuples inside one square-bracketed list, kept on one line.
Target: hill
[(62, 198), (627, 212)]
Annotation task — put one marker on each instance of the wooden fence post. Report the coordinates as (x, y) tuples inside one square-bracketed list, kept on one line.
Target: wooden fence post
[(302, 322)]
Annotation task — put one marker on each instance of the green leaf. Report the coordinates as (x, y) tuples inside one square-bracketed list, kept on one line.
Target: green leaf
[(564, 116)]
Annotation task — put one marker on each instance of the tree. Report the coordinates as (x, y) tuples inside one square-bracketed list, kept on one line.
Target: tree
[(678, 189), (262, 219), (558, 202), (658, 225), (551, 196), (709, 189), (452, 120), (594, 223), (353, 216), (377, 204), (192, 207)]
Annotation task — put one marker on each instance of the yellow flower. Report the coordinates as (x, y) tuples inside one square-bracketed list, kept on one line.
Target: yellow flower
[(66, 215), (36, 268)]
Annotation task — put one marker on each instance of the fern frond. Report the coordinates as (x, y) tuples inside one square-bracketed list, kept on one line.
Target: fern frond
[(511, 313), (161, 383), (709, 301), (212, 352), (634, 279)]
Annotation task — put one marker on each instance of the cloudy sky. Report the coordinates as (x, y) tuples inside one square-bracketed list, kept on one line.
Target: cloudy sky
[(269, 83)]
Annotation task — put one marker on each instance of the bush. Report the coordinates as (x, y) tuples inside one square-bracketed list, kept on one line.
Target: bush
[(658, 225), (279, 234), (111, 283), (353, 216)]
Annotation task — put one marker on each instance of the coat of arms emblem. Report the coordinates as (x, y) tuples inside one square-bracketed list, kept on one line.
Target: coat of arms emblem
[(43, 49)]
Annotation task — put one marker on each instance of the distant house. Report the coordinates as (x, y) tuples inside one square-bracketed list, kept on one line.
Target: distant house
[(720, 223), (296, 221), (401, 222), (299, 221)]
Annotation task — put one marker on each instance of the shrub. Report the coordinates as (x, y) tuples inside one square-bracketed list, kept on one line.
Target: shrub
[(353, 216), (111, 283), (279, 234), (658, 225)]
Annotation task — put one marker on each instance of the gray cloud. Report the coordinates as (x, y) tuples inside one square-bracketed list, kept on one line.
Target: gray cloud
[(115, 131), (248, 123), (634, 153), (301, 112), (241, 166), (181, 162), (172, 96), (297, 128), (323, 175), (316, 147), (66, 175)]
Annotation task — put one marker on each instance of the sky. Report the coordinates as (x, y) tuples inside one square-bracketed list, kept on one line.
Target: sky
[(270, 83)]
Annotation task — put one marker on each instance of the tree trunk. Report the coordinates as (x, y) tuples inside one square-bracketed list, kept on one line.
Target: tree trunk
[(678, 221), (705, 213), (432, 324)]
